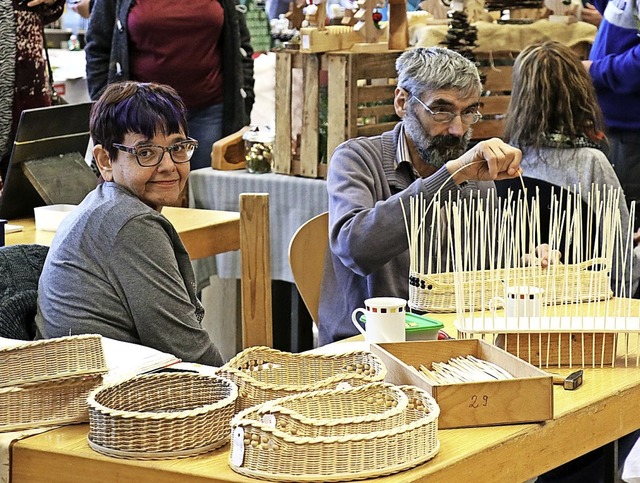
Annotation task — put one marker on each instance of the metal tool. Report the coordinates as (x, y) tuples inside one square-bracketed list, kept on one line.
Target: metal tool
[(571, 382)]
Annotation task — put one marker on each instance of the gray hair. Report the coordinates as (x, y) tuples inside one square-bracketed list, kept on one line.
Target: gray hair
[(436, 68)]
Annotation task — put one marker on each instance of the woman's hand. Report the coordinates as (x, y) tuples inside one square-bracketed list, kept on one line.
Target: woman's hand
[(488, 160)]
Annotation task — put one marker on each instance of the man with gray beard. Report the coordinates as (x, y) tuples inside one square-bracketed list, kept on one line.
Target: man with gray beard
[(437, 98)]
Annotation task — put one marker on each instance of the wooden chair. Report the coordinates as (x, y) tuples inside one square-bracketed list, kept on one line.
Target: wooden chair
[(256, 270), (306, 257)]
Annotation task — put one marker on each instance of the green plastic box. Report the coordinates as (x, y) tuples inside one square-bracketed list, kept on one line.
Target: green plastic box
[(418, 327)]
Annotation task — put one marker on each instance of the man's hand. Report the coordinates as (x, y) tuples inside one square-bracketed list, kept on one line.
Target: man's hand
[(543, 256), (591, 15), (488, 160)]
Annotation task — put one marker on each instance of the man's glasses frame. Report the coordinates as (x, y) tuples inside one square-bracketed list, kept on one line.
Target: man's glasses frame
[(446, 117), (189, 145)]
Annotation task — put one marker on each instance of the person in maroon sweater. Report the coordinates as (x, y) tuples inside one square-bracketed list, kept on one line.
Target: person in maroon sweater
[(24, 80), (201, 48)]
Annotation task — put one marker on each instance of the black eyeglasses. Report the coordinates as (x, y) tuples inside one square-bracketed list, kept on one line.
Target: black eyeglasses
[(150, 155), (447, 116)]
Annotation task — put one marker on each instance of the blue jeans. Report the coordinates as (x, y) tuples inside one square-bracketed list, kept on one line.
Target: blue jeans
[(205, 126)]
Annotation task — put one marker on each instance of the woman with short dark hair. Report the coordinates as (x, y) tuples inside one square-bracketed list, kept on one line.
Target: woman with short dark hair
[(116, 266)]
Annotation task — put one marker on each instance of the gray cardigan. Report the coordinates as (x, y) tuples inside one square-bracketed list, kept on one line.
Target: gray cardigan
[(118, 268), (369, 252), (107, 53)]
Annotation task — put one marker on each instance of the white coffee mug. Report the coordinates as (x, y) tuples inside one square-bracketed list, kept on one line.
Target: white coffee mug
[(519, 301), (385, 319)]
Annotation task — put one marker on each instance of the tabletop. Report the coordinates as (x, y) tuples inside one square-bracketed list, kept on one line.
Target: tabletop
[(292, 201), (197, 229), (603, 409)]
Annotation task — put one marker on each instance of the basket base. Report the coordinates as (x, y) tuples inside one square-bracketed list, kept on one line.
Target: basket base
[(163, 455), (363, 475)]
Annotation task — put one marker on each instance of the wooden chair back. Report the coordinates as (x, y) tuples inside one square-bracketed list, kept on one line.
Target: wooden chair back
[(307, 251), (257, 324)]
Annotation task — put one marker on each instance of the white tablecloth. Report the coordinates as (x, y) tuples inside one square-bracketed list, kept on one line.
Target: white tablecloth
[(292, 201)]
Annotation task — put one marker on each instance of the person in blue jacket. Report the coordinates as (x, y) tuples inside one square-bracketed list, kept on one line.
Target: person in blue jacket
[(614, 66)]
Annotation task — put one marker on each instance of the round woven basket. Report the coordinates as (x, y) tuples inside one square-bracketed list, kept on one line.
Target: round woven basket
[(161, 416), (263, 374), (332, 446)]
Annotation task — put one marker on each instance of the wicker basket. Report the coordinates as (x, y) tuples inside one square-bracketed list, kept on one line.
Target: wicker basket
[(43, 360), (262, 374), (61, 401), (319, 441), (161, 416), (563, 284), (361, 410)]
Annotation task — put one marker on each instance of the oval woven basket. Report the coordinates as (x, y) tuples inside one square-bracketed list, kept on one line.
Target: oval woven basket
[(263, 448), (161, 416), (585, 281), (262, 374)]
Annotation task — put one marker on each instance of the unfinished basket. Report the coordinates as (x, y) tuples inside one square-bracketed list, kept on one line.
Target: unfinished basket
[(45, 403), (41, 360), (322, 439), (571, 283), (161, 416), (262, 374)]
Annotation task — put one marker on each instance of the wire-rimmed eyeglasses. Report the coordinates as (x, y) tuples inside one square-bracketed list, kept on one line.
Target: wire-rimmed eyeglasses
[(150, 155), (447, 116)]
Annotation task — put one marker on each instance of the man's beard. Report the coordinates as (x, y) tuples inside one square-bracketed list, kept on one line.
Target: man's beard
[(437, 150)]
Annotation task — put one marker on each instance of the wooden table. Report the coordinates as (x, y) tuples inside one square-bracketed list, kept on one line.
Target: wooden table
[(602, 410), (203, 232)]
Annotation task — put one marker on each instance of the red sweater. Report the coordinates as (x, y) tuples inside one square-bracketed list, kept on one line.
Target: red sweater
[(178, 43)]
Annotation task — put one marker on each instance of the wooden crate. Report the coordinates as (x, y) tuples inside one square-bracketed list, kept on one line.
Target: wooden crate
[(352, 93), (527, 398), (496, 73)]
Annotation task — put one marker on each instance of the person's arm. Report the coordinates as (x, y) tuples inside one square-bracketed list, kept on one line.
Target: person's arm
[(145, 271), (49, 10), (618, 73), (590, 14), (98, 49), (366, 233), (83, 8), (599, 5)]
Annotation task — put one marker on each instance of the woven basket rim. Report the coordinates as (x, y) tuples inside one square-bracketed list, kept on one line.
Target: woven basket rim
[(319, 384), (187, 413), (275, 405), (432, 415), (56, 340), (571, 266), (76, 380)]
